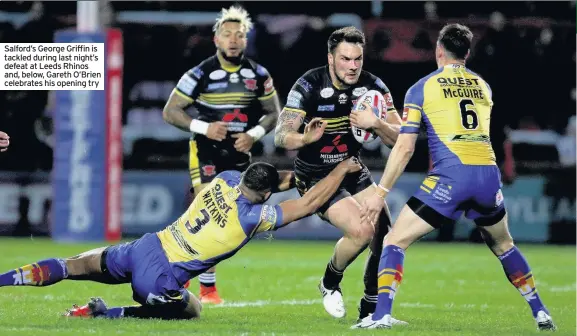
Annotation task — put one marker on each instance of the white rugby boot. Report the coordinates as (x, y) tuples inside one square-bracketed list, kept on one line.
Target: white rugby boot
[(333, 301), (545, 322), (367, 323)]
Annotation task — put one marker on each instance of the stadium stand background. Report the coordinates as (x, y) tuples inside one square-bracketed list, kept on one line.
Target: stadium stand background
[(525, 50)]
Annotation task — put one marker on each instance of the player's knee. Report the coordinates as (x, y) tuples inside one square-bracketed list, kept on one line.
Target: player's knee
[(85, 263), (362, 234)]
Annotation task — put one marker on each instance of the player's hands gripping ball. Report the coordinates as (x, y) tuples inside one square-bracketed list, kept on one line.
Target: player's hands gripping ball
[(314, 130), (364, 118), (216, 131), (243, 142), (4, 141), (350, 165)]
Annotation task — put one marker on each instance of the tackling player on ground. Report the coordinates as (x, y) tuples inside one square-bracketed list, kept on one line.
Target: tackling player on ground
[(454, 106), (230, 93), (327, 95), (218, 223)]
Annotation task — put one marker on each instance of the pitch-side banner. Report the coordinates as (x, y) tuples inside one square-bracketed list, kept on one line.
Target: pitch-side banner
[(152, 200), (88, 151)]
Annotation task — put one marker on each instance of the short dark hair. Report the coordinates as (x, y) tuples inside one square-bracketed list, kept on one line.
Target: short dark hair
[(456, 39), (261, 177), (347, 34)]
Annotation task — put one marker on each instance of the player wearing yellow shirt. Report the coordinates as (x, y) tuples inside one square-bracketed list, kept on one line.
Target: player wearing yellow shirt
[(453, 105), (218, 223)]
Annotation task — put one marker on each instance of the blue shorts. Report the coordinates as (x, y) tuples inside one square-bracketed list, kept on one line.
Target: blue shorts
[(472, 190), (143, 264)]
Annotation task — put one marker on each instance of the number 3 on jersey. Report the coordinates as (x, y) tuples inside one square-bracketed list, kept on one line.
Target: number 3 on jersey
[(200, 222), (469, 118)]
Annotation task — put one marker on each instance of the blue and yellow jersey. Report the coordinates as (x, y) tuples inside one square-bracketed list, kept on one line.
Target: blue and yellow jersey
[(218, 223), (454, 106)]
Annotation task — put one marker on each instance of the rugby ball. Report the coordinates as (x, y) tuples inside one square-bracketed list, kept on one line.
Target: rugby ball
[(377, 101)]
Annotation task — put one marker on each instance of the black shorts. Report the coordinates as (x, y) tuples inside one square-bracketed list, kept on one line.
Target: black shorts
[(352, 184), (207, 160)]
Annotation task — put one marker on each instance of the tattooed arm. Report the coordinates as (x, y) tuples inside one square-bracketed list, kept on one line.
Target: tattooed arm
[(271, 107), (173, 112), (286, 132)]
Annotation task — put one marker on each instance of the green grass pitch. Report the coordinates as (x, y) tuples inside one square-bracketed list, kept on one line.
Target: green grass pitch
[(270, 288)]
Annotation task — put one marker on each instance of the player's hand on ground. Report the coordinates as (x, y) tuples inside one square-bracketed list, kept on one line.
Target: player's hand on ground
[(216, 131), (243, 142), (365, 118), (350, 165), (4, 141), (371, 208), (314, 130)]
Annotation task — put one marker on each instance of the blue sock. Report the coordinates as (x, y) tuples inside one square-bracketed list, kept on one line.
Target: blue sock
[(43, 273), (519, 274), (389, 279), (115, 312)]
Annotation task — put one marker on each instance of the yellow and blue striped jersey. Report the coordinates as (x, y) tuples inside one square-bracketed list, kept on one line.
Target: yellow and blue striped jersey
[(218, 223), (454, 106)]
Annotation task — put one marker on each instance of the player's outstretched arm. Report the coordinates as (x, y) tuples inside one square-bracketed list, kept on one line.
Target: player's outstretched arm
[(318, 195), (287, 135)]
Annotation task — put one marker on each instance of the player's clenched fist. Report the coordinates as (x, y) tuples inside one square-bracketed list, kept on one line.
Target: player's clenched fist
[(4, 141), (216, 131), (314, 130), (243, 142), (350, 165)]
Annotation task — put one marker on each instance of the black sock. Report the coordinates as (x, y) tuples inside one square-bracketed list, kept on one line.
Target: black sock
[(376, 248), (332, 277)]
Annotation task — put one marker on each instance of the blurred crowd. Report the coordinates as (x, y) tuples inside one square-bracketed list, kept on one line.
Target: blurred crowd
[(525, 50)]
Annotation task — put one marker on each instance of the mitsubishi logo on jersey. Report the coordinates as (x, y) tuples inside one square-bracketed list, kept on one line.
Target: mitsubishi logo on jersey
[(340, 148), (235, 115)]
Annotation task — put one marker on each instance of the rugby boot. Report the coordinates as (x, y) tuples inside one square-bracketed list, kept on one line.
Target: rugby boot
[(545, 322), (94, 308), (209, 295), (333, 301), (368, 323)]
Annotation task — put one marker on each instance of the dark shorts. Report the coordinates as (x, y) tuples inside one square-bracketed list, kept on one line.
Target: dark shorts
[(352, 184), (207, 160), (143, 264), (450, 192)]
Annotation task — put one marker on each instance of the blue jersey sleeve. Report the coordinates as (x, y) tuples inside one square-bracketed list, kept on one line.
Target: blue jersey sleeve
[(231, 177), (413, 109), (262, 217)]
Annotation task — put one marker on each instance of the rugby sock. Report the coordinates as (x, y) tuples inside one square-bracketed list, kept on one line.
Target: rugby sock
[(207, 279), (332, 277), (43, 273), (519, 274), (389, 279)]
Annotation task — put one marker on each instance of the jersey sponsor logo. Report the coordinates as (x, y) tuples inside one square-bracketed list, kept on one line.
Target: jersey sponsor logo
[(388, 100), (304, 84), (336, 146), (217, 74), (380, 84), (342, 98), (216, 86), (294, 99), (234, 78), (186, 84), (360, 91), (458, 81), (325, 108), (327, 92), (235, 115), (197, 72), (405, 114), (208, 170), (247, 73), (250, 84), (268, 86)]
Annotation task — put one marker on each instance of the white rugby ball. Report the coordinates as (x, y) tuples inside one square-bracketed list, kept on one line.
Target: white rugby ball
[(377, 101)]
